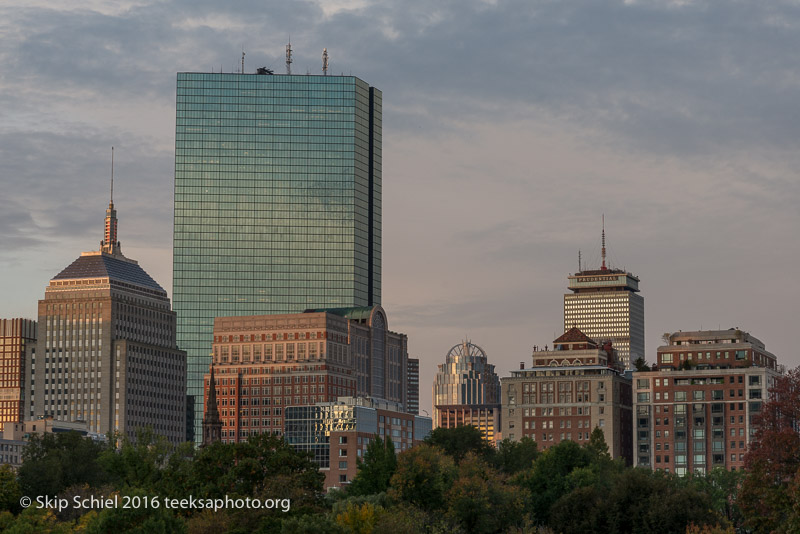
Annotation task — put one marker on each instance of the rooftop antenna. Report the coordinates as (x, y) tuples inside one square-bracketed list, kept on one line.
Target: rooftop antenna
[(109, 243), (579, 261), (603, 250), (289, 57), (242, 59), (324, 61), (112, 175)]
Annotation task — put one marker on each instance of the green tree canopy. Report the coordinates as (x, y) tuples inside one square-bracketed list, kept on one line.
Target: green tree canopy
[(424, 474), (376, 469), (481, 501), (458, 441), (53, 462), (515, 456)]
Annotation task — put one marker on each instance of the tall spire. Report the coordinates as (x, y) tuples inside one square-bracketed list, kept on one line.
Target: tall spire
[(603, 251), (212, 425), (212, 413), (110, 243)]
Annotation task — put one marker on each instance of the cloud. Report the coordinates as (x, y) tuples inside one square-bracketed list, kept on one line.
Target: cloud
[(509, 128)]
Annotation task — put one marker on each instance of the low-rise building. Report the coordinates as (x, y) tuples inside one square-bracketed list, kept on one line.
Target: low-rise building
[(337, 433), (15, 436), (570, 390), (695, 411)]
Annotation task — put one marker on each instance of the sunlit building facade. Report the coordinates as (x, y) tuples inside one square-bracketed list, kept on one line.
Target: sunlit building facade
[(277, 202), (605, 305), (17, 336), (337, 434), (466, 391), (264, 363)]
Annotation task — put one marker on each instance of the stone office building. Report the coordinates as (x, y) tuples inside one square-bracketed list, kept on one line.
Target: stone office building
[(569, 391), (106, 351)]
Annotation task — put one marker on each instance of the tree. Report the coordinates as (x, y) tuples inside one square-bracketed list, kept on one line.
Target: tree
[(376, 470), (139, 463), (597, 445), (53, 462), (515, 456), (547, 480), (136, 519), (481, 501), (35, 520), (722, 487), (458, 441), (401, 519), (642, 500), (310, 524), (424, 474), (636, 500), (10, 492), (641, 365), (359, 518), (773, 459)]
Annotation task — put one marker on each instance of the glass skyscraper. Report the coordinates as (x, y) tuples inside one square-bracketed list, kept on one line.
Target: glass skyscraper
[(277, 202)]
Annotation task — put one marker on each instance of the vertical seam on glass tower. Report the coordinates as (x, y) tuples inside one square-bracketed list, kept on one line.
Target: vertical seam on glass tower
[(371, 202)]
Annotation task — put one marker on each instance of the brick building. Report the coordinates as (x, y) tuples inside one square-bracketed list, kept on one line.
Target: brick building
[(568, 392), (695, 412), (265, 363)]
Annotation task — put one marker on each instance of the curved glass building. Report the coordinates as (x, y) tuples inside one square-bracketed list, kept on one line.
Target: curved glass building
[(466, 391)]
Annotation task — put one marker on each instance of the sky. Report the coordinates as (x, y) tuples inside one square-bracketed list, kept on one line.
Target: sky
[(509, 129)]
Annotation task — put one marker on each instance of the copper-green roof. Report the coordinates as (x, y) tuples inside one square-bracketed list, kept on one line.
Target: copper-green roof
[(359, 313)]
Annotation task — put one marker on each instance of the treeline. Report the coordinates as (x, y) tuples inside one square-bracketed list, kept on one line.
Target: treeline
[(454, 482)]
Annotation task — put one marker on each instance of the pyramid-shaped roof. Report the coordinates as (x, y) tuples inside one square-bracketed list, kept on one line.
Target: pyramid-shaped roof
[(574, 335), (102, 265)]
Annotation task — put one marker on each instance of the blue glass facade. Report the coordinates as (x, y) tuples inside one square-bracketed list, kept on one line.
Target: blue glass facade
[(277, 202)]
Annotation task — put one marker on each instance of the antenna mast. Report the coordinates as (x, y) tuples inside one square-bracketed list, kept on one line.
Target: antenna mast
[(242, 60), (579, 261), (112, 175), (289, 57), (324, 61), (603, 250)]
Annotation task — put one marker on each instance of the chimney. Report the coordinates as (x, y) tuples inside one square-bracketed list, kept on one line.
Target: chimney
[(522, 365)]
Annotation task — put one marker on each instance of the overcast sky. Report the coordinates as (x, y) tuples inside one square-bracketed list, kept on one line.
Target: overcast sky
[(510, 127)]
